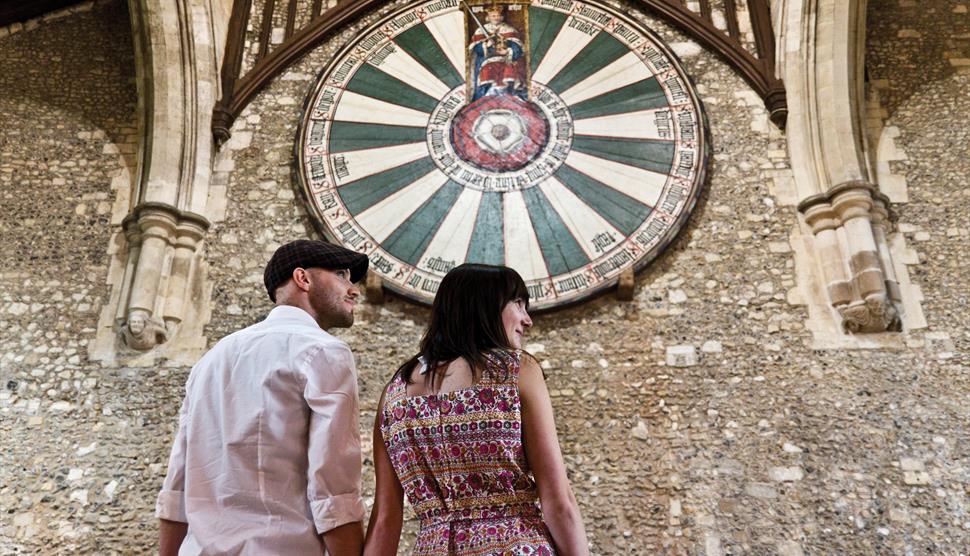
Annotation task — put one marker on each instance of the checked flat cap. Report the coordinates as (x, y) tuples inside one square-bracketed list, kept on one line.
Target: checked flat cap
[(308, 253)]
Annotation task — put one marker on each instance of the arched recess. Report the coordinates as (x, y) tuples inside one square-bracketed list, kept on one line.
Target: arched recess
[(240, 86), (160, 272), (844, 214)]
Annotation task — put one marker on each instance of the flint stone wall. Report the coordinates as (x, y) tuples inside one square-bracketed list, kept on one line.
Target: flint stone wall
[(693, 420)]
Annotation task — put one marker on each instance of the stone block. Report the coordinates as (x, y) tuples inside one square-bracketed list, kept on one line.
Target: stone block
[(911, 464), (712, 545), (790, 548), (916, 478), (681, 356), (712, 346), (686, 49), (277, 36), (786, 474), (779, 247), (535, 348), (677, 296), (239, 140), (761, 490)]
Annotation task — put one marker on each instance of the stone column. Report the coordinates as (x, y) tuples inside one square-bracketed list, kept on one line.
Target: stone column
[(881, 227), (157, 227), (178, 49), (133, 238), (189, 234), (853, 203), (824, 224)]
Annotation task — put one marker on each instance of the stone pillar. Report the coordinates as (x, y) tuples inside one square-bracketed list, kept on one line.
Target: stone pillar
[(133, 238), (188, 235), (824, 224), (158, 273), (881, 227), (157, 227)]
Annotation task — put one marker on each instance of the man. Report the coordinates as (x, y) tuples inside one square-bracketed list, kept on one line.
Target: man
[(267, 455)]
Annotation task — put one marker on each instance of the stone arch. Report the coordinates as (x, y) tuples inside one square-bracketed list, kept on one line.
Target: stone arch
[(159, 271), (844, 215)]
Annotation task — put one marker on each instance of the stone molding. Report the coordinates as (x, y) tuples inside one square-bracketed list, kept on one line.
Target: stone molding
[(850, 223)]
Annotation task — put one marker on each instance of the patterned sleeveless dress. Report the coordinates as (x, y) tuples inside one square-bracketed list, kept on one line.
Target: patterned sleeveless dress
[(460, 458)]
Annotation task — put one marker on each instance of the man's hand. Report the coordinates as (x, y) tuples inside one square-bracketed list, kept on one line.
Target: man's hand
[(346, 540), (170, 536)]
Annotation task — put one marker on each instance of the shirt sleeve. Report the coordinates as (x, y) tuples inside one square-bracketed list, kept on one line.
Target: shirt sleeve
[(170, 503), (333, 450)]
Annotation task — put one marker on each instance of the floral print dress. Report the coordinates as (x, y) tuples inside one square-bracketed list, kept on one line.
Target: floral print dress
[(460, 458)]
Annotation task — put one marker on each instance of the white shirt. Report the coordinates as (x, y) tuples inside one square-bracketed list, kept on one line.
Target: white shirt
[(267, 452)]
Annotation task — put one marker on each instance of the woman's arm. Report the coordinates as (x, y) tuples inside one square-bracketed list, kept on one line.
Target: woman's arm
[(559, 508), (387, 516)]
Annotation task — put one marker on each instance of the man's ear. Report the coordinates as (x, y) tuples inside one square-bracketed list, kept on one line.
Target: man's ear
[(301, 278)]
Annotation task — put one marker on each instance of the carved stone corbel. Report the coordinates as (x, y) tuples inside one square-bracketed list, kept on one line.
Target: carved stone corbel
[(163, 242), (849, 223)]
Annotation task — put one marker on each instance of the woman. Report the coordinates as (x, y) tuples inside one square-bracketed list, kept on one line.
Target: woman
[(465, 429)]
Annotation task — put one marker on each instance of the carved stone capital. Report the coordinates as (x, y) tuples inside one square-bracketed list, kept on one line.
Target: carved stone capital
[(853, 199), (820, 216), (190, 230), (167, 240), (132, 230), (881, 215), (849, 223)]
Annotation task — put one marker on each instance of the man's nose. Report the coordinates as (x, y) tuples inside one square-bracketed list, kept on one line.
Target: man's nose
[(354, 292)]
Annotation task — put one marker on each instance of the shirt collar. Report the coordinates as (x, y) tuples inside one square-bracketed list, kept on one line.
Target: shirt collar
[(288, 312)]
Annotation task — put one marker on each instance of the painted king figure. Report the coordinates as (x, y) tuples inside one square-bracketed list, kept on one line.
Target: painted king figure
[(499, 57)]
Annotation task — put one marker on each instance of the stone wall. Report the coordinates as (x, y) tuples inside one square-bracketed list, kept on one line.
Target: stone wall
[(760, 445), (68, 138)]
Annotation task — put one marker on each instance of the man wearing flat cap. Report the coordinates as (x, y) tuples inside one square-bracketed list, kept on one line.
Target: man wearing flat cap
[(267, 456)]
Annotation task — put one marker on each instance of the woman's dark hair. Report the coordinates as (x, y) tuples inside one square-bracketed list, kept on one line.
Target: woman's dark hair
[(466, 318)]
